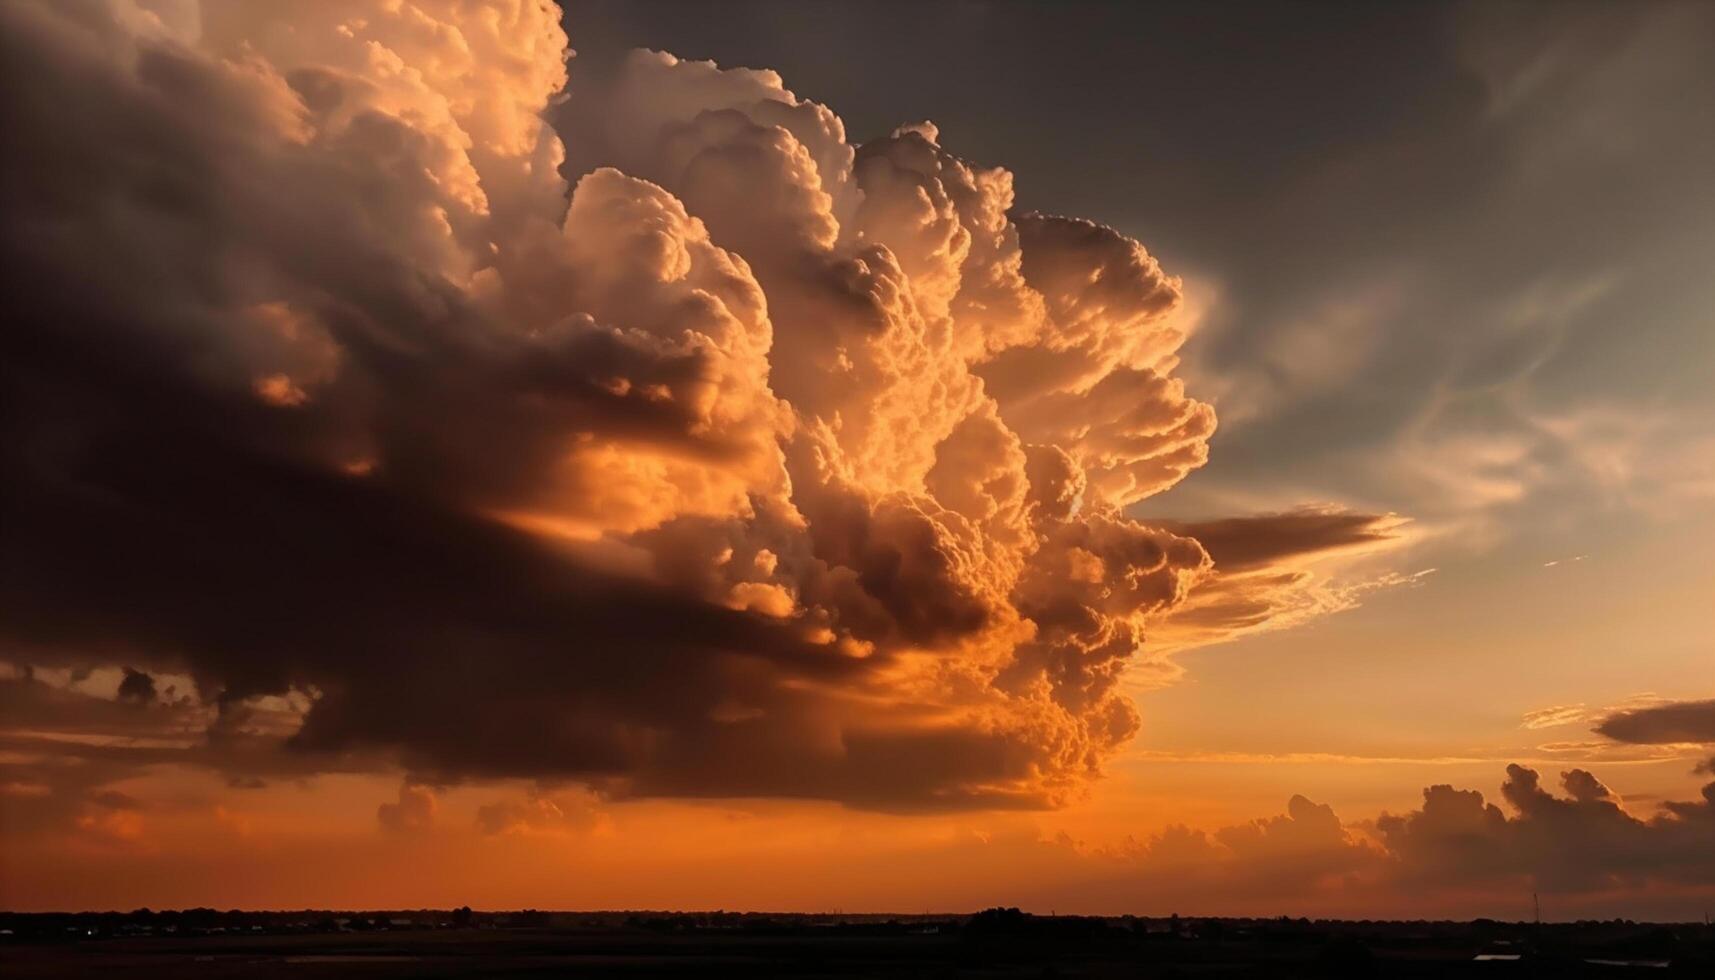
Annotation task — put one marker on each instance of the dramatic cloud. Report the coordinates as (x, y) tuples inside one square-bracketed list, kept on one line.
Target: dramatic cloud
[(681, 447)]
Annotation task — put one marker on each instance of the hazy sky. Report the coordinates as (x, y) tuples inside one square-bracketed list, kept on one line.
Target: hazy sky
[(1105, 457)]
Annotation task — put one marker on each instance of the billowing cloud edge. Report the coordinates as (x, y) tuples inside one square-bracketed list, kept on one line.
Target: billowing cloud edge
[(656, 436)]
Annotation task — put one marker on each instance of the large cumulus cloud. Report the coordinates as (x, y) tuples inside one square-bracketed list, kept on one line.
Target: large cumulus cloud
[(678, 447)]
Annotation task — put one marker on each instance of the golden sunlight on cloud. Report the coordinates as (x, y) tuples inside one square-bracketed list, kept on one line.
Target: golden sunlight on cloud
[(408, 443), (788, 466)]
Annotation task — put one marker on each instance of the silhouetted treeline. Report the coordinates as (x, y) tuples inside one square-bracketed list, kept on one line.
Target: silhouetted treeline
[(992, 937)]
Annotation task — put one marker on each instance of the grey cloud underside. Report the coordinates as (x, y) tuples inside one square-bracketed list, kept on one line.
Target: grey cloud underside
[(1679, 721), (1583, 841), (1579, 844), (471, 649), (1240, 544)]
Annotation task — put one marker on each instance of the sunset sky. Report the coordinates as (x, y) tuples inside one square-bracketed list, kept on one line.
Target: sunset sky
[(1150, 458)]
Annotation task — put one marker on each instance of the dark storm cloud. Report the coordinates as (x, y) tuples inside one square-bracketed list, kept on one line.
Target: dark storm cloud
[(1678, 721), (1246, 543), (136, 686), (756, 461), (323, 388), (156, 508), (60, 747)]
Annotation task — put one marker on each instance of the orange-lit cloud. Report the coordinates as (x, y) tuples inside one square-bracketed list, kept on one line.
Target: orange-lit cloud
[(745, 462), (379, 411), (1266, 573), (410, 441)]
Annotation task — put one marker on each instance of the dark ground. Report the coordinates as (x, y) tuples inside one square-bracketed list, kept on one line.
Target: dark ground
[(998, 943)]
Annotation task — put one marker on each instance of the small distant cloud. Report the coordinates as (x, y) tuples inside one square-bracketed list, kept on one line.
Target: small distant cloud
[(413, 813), (538, 814), (1555, 715), (137, 686)]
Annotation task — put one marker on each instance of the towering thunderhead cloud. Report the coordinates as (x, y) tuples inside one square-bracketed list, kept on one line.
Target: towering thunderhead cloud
[(681, 446)]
